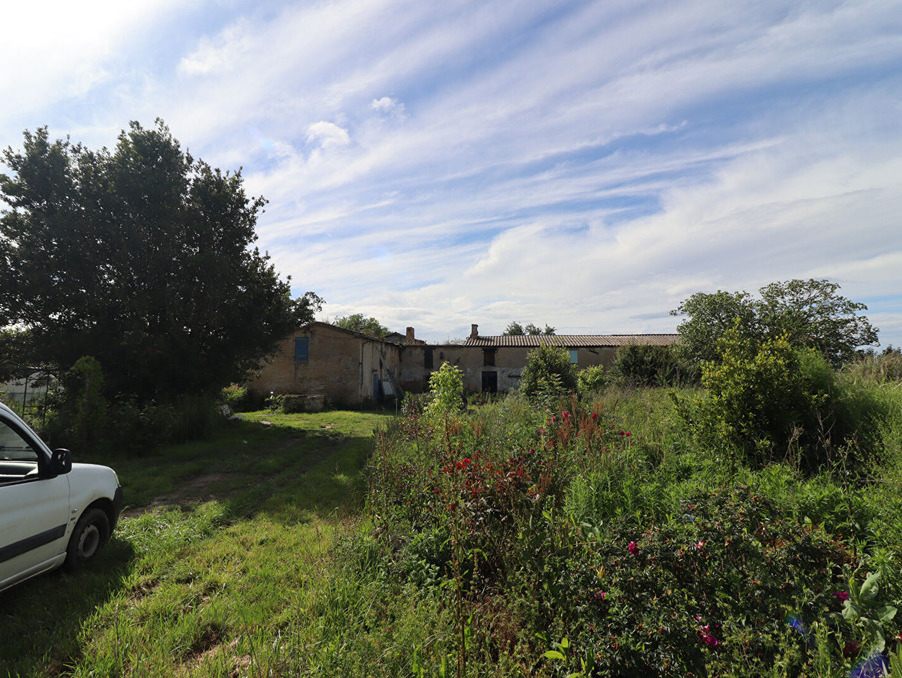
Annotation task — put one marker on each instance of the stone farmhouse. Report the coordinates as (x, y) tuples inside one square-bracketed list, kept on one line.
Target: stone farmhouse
[(352, 368)]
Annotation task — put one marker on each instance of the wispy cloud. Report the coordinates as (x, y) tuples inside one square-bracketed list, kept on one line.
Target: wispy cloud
[(585, 164)]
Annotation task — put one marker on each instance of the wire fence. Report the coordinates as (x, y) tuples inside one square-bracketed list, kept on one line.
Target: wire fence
[(27, 395)]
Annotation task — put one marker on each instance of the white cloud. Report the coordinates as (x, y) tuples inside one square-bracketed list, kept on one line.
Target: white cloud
[(223, 53), (327, 134), (589, 164), (56, 51), (388, 106)]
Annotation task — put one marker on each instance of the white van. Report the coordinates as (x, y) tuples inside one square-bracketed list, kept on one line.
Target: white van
[(52, 512)]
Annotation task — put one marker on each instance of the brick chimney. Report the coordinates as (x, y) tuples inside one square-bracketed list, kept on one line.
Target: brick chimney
[(410, 339), (474, 331)]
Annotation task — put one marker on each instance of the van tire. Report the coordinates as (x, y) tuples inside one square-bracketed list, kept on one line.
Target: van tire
[(91, 532)]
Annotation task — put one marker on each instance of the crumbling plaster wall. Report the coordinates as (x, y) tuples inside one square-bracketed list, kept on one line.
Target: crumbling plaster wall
[(340, 365)]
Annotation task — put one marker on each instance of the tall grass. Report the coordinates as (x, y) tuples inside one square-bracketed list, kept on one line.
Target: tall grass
[(603, 538)]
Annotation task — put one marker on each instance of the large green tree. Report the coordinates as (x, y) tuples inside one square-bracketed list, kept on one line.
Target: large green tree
[(808, 313), (142, 257)]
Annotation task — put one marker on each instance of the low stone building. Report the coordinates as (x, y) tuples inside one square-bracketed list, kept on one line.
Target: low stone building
[(342, 366), (351, 368), (494, 363)]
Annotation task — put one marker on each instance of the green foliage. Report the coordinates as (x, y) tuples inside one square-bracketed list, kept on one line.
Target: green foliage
[(16, 353), (811, 313), (446, 388), (306, 307), (84, 409), (807, 313), (359, 323), (604, 555), (707, 589), (141, 256), (866, 609), (516, 329), (773, 401), (236, 397), (646, 365), (710, 316), (591, 380), (548, 374), (885, 367)]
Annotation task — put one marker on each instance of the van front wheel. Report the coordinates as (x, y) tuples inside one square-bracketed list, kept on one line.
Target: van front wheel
[(91, 532)]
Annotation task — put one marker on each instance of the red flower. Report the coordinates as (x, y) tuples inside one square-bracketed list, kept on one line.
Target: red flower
[(708, 638), (842, 596), (632, 548)]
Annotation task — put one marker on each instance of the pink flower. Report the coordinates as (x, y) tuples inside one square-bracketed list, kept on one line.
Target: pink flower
[(842, 596), (710, 640), (632, 548), (700, 545)]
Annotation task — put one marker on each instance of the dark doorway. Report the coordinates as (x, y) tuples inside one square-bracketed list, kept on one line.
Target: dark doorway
[(490, 382)]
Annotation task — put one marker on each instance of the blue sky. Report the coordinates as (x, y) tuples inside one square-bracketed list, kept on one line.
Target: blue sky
[(582, 164)]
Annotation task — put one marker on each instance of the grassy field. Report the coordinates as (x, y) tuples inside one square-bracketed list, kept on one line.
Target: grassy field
[(577, 538), (225, 547)]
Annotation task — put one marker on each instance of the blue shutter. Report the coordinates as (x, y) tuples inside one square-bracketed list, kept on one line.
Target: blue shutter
[(301, 349)]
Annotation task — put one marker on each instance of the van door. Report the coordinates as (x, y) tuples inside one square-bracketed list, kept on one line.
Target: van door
[(34, 510)]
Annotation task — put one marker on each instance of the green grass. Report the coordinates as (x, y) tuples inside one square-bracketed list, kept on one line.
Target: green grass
[(216, 578), (303, 545)]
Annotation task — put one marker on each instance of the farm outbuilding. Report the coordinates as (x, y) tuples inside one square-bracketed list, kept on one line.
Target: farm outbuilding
[(343, 366), (352, 368)]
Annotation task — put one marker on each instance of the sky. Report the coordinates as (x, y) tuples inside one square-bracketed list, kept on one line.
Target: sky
[(586, 165)]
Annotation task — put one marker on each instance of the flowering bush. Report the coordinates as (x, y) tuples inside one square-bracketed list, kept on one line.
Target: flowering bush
[(485, 509), (709, 589)]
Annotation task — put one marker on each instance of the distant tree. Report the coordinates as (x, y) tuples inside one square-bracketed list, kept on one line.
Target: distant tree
[(516, 329), (141, 257), (710, 316), (360, 323), (811, 313), (307, 306), (808, 312)]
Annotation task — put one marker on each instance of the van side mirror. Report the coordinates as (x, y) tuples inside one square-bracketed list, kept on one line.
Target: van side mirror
[(60, 462)]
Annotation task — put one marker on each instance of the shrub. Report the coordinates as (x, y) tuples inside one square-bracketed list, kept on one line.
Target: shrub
[(236, 397), (141, 426), (709, 589), (774, 401), (82, 408), (591, 380), (446, 386), (548, 374), (880, 368), (647, 365)]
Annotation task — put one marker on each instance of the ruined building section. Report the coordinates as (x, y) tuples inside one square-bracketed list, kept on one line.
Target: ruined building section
[(343, 366), (351, 368)]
